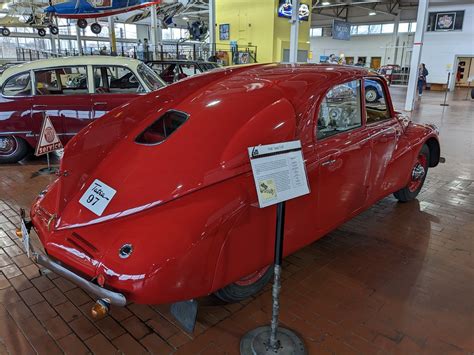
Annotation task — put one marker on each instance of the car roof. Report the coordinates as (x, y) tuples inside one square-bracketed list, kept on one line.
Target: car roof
[(69, 61)]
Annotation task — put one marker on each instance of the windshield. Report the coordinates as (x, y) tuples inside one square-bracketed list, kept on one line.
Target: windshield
[(150, 78)]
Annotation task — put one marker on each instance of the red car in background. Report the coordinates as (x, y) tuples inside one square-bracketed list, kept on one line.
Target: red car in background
[(71, 91), (161, 206), (390, 72)]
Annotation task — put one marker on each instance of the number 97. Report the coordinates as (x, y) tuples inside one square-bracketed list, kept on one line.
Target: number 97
[(92, 200)]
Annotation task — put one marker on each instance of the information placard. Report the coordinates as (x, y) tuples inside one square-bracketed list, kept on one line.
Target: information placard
[(279, 172)]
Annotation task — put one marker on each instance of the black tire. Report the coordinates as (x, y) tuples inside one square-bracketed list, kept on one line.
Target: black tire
[(236, 293), (81, 23), (371, 94), (54, 30), (472, 93), (41, 32), (12, 149), (96, 28), (5, 32), (407, 194)]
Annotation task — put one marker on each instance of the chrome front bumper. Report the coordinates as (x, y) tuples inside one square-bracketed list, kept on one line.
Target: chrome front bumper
[(114, 298)]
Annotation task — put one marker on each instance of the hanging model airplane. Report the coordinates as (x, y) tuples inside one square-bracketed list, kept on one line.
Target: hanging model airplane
[(27, 14), (81, 10)]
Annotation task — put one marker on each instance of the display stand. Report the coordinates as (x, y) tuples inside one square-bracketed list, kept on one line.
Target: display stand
[(446, 91), (49, 169), (272, 339)]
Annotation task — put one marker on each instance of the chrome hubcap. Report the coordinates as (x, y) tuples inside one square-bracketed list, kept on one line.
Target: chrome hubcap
[(7, 145), (418, 172)]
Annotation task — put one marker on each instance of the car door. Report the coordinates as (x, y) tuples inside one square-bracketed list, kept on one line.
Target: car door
[(113, 86), (15, 108), (343, 150), (61, 93), (384, 131)]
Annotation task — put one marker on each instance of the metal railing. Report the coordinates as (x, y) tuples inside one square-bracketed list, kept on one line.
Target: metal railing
[(223, 53)]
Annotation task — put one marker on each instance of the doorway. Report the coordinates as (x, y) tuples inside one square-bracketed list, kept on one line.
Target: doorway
[(465, 71), (375, 62)]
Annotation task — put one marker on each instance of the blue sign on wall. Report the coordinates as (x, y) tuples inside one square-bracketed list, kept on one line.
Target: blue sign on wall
[(341, 30)]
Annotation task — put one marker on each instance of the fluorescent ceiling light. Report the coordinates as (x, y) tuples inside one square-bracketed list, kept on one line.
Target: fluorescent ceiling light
[(372, 13), (326, 3), (185, 18)]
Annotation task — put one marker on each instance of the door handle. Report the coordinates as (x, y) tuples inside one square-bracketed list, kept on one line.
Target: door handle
[(100, 103), (328, 162), (39, 107)]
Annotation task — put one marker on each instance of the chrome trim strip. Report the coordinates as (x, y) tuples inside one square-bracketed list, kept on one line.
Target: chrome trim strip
[(15, 132), (114, 298)]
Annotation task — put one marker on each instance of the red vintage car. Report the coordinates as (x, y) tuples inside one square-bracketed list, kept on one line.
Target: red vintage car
[(156, 203), (71, 91)]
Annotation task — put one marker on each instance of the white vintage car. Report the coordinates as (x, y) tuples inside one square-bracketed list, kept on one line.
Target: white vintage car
[(71, 91)]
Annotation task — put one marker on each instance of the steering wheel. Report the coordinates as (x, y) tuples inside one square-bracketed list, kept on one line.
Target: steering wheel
[(100, 90)]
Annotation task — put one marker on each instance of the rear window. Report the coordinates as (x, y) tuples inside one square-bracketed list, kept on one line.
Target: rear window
[(162, 128)]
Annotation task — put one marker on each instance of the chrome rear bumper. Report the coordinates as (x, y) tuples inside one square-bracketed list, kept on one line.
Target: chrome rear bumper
[(114, 298)]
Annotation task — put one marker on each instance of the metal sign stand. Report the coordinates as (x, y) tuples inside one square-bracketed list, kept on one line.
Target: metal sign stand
[(271, 339), (446, 92), (49, 169)]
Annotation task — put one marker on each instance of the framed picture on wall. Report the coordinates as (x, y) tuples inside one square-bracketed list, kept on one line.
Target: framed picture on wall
[(445, 21), (224, 32)]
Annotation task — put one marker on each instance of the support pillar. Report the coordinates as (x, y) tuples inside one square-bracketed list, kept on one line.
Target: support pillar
[(212, 26), (395, 39), (112, 38), (79, 40), (416, 54), (53, 43), (295, 24), (155, 37)]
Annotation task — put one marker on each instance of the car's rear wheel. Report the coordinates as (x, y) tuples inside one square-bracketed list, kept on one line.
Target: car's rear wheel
[(12, 149), (371, 94), (417, 177), (246, 286)]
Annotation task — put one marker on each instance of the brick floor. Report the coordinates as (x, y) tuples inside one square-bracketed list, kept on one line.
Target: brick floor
[(397, 279)]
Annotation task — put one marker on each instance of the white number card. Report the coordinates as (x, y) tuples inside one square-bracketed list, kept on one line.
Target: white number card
[(97, 197)]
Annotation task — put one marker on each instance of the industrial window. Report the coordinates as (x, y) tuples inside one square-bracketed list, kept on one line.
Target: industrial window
[(388, 28), (162, 128), (340, 110), (316, 32), (375, 29), (403, 27)]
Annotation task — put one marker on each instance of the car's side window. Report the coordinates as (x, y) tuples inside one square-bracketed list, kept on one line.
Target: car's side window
[(190, 69), (375, 101), (47, 83), (340, 110), (18, 85), (115, 80), (73, 80)]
